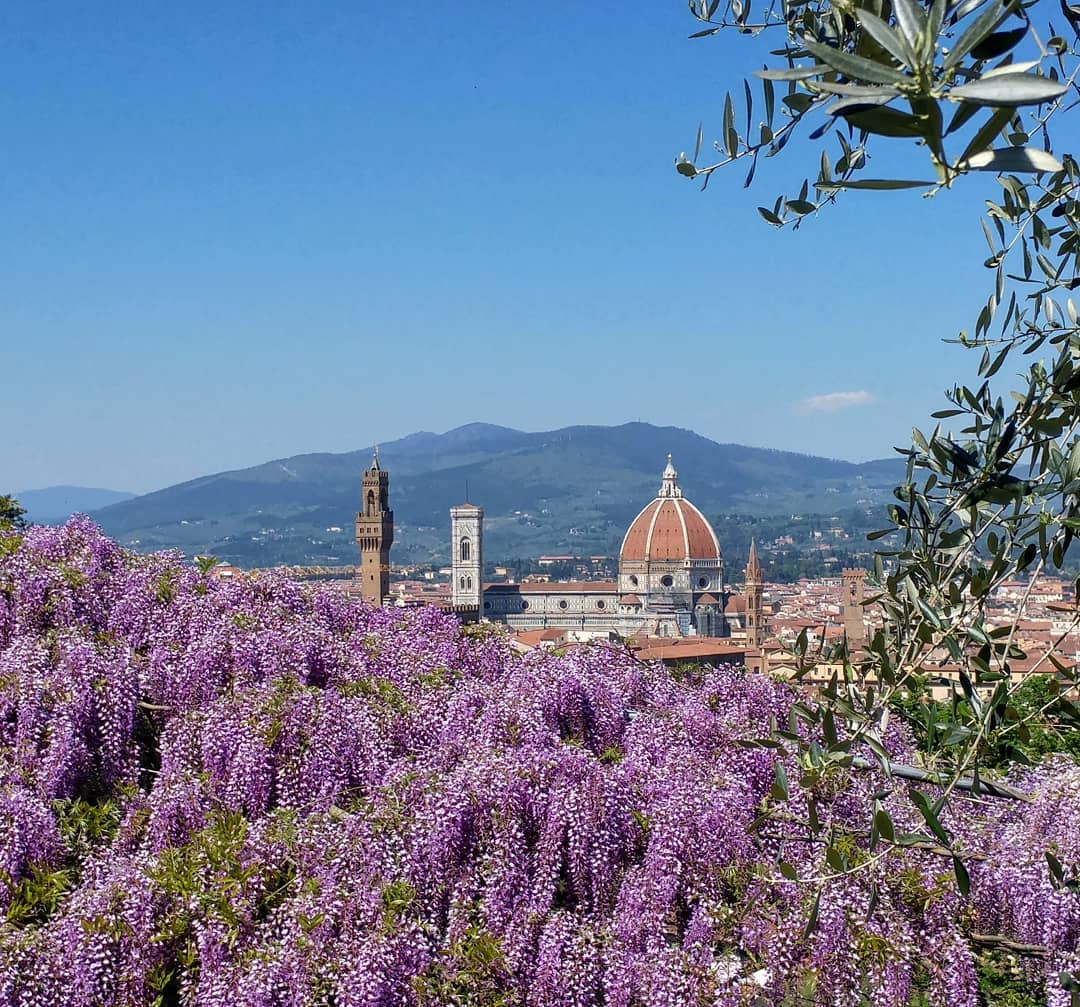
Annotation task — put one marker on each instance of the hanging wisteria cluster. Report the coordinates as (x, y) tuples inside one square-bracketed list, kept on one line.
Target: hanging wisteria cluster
[(254, 793)]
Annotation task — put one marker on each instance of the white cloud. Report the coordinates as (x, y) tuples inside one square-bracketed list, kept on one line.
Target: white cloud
[(833, 402)]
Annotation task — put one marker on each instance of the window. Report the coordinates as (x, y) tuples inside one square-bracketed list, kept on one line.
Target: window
[(461, 583), (666, 580), (703, 582), (633, 581), (466, 550), (524, 605), (487, 604), (468, 583), (600, 604), (562, 604), (370, 503)]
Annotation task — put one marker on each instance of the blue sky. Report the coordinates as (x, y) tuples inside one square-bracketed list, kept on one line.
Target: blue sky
[(242, 231)]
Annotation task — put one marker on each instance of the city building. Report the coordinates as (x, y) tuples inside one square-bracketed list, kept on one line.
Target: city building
[(670, 577)]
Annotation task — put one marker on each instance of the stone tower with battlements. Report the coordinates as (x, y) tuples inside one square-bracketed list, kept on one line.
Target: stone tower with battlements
[(467, 561), (375, 533), (854, 622), (754, 589)]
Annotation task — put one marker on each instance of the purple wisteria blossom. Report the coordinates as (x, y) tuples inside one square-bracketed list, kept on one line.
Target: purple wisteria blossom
[(261, 794)]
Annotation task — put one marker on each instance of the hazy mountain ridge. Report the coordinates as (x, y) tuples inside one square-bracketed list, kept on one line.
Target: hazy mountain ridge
[(56, 503), (573, 490)]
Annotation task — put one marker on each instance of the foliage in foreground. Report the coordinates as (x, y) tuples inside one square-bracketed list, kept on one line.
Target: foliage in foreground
[(253, 793)]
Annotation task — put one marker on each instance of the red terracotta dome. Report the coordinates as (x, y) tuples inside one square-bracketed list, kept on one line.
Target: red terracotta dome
[(670, 528)]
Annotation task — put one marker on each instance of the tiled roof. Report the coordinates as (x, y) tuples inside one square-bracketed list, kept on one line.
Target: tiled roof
[(670, 529)]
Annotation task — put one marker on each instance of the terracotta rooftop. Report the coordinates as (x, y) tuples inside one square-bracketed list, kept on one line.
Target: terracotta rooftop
[(670, 529), (686, 648)]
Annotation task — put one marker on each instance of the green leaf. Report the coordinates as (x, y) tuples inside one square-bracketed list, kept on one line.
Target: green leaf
[(1015, 159), (847, 106), (780, 783), (922, 802), (997, 44), (987, 132), (771, 217), (884, 825), (885, 122), (856, 67), (912, 21), (982, 26), (811, 920), (963, 882), (891, 41), (1009, 90), (793, 73), (877, 183), (854, 90)]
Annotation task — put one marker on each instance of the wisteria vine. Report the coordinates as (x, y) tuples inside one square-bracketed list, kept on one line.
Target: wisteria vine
[(257, 793)]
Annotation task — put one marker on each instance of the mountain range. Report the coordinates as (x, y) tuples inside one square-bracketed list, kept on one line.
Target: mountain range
[(57, 503), (572, 490)]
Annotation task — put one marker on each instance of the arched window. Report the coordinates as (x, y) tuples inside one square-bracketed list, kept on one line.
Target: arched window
[(468, 583), (462, 583), (370, 503), (466, 550)]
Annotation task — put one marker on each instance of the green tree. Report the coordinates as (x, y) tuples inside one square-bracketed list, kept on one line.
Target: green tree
[(12, 515), (992, 491)]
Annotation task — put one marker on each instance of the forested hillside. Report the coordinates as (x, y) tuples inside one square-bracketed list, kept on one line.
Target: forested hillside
[(570, 490)]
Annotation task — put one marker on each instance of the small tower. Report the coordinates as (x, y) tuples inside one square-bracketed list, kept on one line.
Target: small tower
[(854, 624), (467, 561), (754, 588), (375, 533)]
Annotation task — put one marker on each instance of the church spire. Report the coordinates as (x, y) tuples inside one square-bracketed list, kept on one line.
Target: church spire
[(754, 592), (670, 485), (753, 567)]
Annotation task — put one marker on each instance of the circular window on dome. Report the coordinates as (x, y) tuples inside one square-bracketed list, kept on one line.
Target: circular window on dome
[(703, 582), (667, 580), (600, 604), (633, 581), (487, 604), (562, 604), (524, 605)]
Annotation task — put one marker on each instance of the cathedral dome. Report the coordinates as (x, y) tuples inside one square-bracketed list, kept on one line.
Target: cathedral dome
[(670, 528)]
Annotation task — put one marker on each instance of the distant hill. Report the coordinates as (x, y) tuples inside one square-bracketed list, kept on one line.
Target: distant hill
[(569, 490), (57, 503)]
